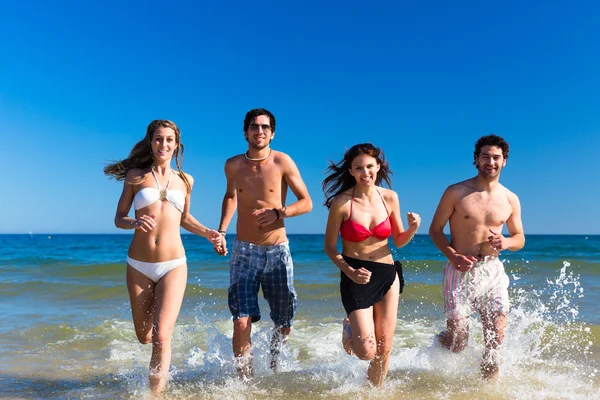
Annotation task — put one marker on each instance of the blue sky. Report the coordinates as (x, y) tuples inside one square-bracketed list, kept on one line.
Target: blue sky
[(80, 81)]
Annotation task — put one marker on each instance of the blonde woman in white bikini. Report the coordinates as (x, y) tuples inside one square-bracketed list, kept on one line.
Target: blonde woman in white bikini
[(156, 262)]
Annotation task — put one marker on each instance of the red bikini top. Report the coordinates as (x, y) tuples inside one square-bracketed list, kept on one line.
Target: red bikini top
[(352, 231)]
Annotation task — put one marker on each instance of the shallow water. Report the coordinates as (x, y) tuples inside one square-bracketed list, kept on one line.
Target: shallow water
[(67, 331)]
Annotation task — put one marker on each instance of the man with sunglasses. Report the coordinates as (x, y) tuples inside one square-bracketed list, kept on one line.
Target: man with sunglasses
[(257, 183)]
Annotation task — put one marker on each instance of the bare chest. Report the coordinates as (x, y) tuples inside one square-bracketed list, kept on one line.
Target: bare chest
[(484, 208), (259, 182)]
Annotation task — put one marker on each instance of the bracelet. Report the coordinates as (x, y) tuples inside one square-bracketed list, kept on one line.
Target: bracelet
[(223, 233), (276, 213)]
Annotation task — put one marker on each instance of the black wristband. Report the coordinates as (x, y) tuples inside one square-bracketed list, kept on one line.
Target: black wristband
[(223, 232), (276, 213)]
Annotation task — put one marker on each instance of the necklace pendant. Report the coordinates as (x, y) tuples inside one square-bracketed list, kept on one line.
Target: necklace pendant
[(163, 194)]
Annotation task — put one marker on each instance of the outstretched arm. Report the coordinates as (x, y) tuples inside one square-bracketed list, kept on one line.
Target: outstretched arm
[(191, 224), (229, 204)]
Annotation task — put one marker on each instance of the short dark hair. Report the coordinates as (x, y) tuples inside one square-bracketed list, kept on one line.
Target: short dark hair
[(490, 140), (252, 114)]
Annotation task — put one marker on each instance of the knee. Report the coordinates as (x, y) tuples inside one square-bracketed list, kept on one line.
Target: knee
[(144, 338), (285, 331), (366, 351), (365, 354), (241, 325), (161, 338)]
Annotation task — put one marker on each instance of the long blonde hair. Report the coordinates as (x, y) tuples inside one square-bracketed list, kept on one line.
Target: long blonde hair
[(141, 154)]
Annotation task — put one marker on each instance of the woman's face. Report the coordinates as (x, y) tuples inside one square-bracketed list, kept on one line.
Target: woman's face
[(164, 143), (364, 169)]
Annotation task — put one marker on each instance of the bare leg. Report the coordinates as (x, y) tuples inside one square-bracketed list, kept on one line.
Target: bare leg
[(347, 337), (385, 316), (456, 335), (241, 342), (141, 298), (363, 333), (167, 303), (279, 338), (493, 335)]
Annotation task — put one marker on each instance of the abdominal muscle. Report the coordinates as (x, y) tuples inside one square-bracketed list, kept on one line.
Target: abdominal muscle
[(474, 242), (163, 242), (369, 250)]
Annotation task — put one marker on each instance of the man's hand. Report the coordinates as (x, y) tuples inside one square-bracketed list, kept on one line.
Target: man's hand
[(221, 249), (497, 241), (218, 241), (265, 216), (463, 263)]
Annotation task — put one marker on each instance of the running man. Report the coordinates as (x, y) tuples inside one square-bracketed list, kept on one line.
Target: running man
[(474, 278), (257, 183)]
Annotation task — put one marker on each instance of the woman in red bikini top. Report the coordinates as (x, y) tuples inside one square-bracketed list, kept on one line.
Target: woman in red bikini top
[(366, 216)]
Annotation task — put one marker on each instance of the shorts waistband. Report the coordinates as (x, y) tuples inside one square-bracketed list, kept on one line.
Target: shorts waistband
[(482, 263), (237, 242)]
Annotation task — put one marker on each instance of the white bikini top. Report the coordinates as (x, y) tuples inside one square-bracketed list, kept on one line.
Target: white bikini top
[(149, 195)]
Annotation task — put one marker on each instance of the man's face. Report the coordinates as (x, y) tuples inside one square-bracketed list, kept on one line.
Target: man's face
[(490, 161), (259, 133)]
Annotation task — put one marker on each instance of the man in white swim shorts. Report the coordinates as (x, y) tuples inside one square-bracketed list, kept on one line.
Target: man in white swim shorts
[(474, 278)]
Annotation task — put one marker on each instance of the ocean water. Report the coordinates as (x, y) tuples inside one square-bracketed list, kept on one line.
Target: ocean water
[(66, 328)]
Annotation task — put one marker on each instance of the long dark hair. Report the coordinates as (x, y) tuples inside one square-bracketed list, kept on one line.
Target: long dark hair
[(141, 154), (340, 179)]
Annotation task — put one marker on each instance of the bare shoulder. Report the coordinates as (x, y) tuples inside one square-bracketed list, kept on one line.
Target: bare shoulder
[(388, 195), (234, 160), (282, 158), (135, 176), (460, 189), (341, 201), (232, 164), (512, 197), (189, 178)]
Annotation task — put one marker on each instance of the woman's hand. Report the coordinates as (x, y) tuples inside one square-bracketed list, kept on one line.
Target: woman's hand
[(361, 276), (145, 223), (214, 237), (414, 221)]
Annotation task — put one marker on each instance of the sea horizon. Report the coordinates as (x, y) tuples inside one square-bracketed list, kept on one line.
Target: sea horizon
[(64, 303)]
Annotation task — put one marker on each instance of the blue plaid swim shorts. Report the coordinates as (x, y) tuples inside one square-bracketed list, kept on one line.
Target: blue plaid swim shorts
[(270, 267)]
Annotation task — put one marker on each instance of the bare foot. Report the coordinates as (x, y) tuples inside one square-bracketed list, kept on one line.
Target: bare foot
[(443, 339), (158, 384), (244, 368), (347, 337), (489, 370), (274, 358)]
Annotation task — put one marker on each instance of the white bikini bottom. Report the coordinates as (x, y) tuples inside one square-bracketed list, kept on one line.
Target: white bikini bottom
[(156, 270)]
